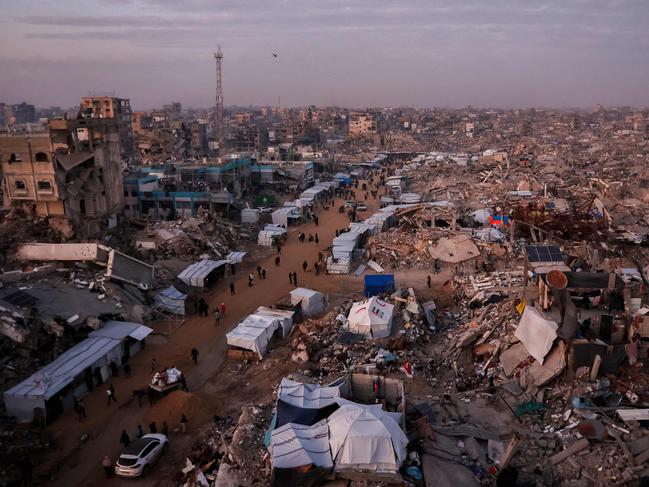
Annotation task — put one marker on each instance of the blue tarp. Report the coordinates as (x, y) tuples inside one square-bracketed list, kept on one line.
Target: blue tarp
[(378, 283)]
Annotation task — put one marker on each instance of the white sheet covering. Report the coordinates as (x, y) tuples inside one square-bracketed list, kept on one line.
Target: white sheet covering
[(294, 445)]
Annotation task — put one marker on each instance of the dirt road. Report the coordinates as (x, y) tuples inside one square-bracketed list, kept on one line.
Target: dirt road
[(79, 463)]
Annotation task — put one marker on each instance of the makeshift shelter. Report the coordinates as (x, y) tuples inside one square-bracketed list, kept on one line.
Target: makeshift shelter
[(270, 234), (171, 300), (378, 284), (372, 318), (312, 302), (203, 273), (285, 216), (300, 455), (366, 438), (306, 395), (256, 331), (79, 367)]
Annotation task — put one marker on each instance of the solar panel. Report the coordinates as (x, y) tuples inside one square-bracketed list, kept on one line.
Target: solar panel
[(21, 299), (543, 253)]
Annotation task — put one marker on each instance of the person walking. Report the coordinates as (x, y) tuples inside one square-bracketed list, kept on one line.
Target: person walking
[(319, 256), (124, 439), (79, 409), (277, 261), (295, 279), (107, 463), (110, 393), (26, 468), (194, 355), (232, 289), (183, 383), (437, 266), (317, 240), (222, 309), (203, 307), (165, 428), (217, 317), (428, 282), (153, 428), (305, 266), (183, 423), (290, 277), (316, 266), (263, 273), (250, 279), (259, 271), (139, 433)]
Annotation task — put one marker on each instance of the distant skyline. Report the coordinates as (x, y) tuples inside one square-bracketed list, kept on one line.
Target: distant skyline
[(420, 53)]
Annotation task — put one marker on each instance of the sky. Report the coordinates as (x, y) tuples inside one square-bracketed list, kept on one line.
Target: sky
[(353, 53)]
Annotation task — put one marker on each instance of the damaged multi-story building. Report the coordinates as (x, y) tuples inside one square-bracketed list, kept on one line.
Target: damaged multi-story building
[(69, 171), (115, 108)]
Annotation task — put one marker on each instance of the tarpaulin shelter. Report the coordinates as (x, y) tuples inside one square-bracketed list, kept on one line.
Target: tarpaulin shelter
[(378, 284), (270, 234), (171, 300), (300, 455), (202, 273), (372, 318), (256, 331), (307, 395), (312, 302), (366, 438), (289, 413), (73, 368)]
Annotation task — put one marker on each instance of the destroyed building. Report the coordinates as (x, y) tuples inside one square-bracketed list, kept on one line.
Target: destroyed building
[(115, 108), (70, 170)]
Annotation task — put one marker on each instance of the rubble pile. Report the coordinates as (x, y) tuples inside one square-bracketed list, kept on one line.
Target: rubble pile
[(236, 447), (193, 237)]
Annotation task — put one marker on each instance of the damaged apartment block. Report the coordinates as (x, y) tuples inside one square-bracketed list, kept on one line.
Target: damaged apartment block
[(69, 172)]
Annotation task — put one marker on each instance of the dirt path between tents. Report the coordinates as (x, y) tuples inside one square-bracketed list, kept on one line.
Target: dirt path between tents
[(73, 462)]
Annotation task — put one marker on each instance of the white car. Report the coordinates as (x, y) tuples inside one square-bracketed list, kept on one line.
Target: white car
[(138, 457)]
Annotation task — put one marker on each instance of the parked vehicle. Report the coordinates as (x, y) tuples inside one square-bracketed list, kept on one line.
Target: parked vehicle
[(138, 458)]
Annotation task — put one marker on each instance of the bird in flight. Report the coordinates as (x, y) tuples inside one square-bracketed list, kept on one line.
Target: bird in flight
[(274, 54)]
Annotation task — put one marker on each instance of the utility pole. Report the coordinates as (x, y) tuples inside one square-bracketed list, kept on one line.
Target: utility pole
[(218, 55)]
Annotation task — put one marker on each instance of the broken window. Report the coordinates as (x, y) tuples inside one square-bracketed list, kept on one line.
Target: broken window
[(42, 157), (44, 186), (20, 185), (15, 158)]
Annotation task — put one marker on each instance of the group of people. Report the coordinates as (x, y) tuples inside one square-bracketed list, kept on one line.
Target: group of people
[(312, 238)]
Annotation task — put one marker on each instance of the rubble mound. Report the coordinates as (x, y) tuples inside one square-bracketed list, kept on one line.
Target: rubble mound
[(196, 407)]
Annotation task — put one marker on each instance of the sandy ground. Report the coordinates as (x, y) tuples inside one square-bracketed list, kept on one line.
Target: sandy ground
[(72, 462)]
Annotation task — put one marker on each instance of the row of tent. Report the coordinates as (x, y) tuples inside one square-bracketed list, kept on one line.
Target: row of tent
[(316, 431), (256, 331), (340, 260)]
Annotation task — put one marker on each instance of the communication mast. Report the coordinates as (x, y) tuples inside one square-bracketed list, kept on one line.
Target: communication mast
[(218, 55)]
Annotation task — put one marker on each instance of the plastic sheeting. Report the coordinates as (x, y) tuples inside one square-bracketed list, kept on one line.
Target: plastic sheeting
[(307, 395), (196, 274), (171, 300), (294, 445), (536, 333)]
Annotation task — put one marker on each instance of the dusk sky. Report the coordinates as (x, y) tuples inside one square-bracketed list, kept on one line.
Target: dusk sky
[(424, 53)]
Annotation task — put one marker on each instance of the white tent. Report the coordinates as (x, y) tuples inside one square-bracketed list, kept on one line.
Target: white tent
[(285, 216), (313, 302), (372, 318), (255, 332), (311, 396), (366, 438), (269, 233), (295, 445)]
